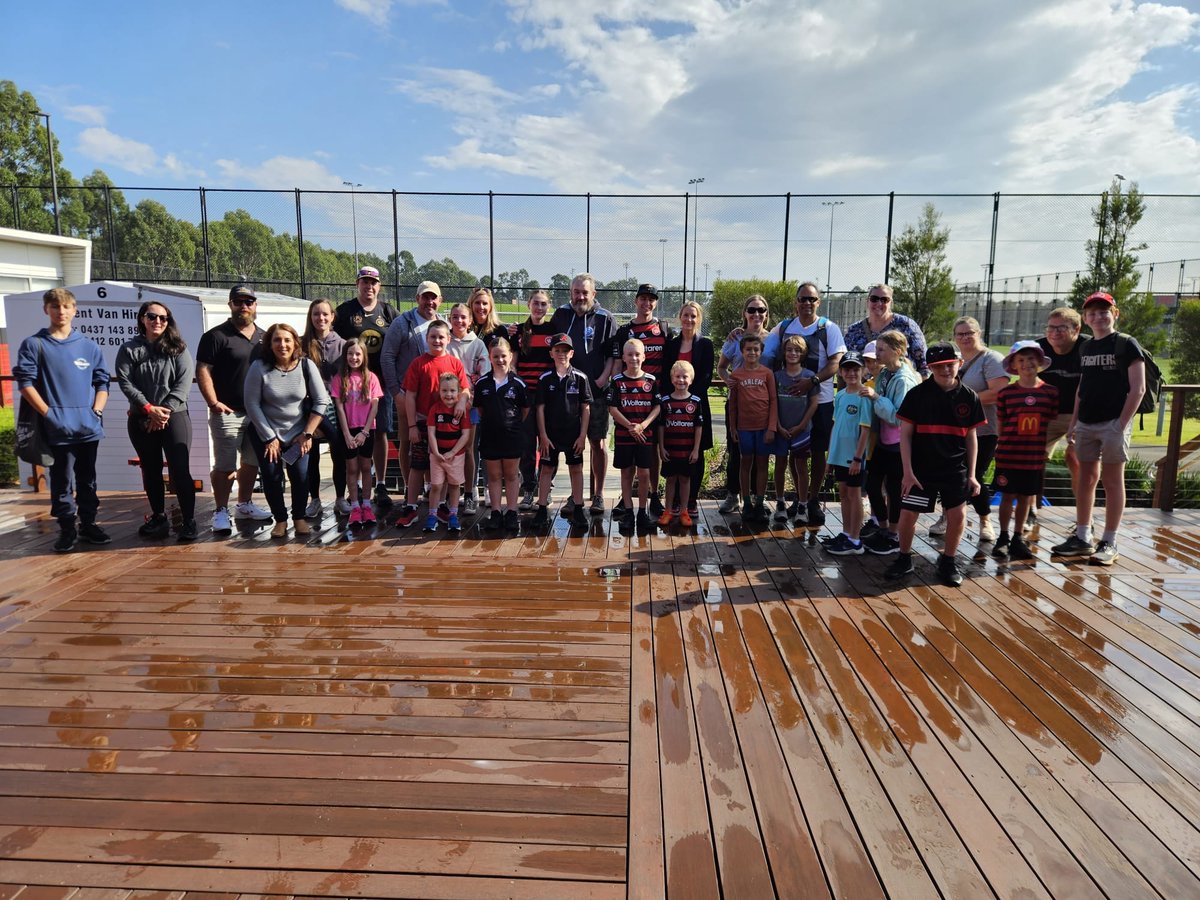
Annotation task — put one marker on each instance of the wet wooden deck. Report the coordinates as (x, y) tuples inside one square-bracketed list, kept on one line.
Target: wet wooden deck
[(683, 715)]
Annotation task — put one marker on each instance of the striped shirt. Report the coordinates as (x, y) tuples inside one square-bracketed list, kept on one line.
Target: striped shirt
[(447, 425), (679, 422), (653, 335), (1025, 414), (635, 398)]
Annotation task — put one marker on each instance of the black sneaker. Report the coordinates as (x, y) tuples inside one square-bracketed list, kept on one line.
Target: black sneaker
[(619, 508), (382, 500), (1073, 546), (949, 571), (1019, 549), (541, 518), (187, 532), (568, 509), (408, 515), (1106, 554), (843, 546), (816, 515), (512, 521), (643, 522), (155, 526), (495, 521), (91, 533), (67, 536), (656, 507), (901, 566), (1001, 548), (869, 528), (579, 518), (626, 521), (882, 543)]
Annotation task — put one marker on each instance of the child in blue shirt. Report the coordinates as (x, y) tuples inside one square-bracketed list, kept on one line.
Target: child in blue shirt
[(852, 419)]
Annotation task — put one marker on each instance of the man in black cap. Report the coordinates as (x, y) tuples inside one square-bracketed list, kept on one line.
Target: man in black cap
[(367, 318), (223, 358), (653, 334)]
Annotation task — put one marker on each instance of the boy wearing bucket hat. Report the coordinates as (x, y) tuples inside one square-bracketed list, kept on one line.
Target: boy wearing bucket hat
[(938, 447), (1025, 409)]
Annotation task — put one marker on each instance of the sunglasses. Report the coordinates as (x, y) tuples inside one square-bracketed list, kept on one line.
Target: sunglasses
[(243, 302), (874, 299), (808, 299), (155, 317), (1057, 329), (756, 310)]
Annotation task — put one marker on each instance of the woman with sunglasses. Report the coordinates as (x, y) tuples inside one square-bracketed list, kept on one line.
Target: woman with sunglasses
[(155, 372), (881, 317), (756, 315), (691, 346)]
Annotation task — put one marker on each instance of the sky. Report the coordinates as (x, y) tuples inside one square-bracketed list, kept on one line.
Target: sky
[(628, 97)]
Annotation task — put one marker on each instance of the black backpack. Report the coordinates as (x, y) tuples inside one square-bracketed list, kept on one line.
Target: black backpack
[(1154, 376), (813, 359)]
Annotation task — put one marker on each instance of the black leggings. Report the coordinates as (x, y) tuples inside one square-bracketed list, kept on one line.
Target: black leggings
[(337, 452), (884, 474), (987, 452), (174, 442)]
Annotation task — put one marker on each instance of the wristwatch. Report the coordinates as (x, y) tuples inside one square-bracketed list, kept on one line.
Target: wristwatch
[(307, 434)]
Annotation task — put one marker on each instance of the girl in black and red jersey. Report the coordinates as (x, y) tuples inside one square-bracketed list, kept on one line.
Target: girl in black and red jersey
[(680, 428), (633, 402), (503, 402)]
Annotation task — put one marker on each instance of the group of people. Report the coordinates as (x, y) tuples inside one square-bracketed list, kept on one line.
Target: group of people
[(470, 399)]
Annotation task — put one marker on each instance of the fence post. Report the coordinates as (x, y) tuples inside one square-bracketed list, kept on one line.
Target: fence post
[(991, 274), (396, 247), (887, 258), (300, 246), (587, 237), (112, 234), (787, 221), (16, 195), (204, 236), (687, 202), (492, 239)]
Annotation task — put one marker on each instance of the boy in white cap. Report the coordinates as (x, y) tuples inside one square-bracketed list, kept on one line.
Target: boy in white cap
[(1025, 409), (1112, 379)]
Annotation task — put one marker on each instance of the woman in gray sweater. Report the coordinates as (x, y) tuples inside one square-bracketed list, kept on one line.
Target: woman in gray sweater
[(155, 372), (285, 401)]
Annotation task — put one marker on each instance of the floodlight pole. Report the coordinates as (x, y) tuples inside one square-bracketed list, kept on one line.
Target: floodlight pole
[(662, 282), (353, 218), (832, 204), (53, 173)]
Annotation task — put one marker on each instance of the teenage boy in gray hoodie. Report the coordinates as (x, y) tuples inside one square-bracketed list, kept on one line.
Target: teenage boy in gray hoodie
[(62, 375)]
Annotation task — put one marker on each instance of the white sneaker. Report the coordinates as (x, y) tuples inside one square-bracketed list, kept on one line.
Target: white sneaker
[(314, 508), (342, 507), (938, 528), (251, 510), (221, 523), (986, 531)]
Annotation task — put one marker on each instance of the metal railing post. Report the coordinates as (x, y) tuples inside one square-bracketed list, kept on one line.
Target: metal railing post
[(887, 259), (112, 233), (396, 247), (300, 246), (987, 316), (587, 240), (492, 240), (204, 236), (787, 221)]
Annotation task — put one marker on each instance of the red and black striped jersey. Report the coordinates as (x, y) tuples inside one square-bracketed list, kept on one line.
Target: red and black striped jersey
[(1025, 414), (940, 420), (635, 398), (447, 425), (679, 422), (533, 351), (653, 334)]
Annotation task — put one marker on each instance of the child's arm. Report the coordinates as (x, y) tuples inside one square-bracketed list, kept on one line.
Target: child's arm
[(585, 419), (410, 412), (464, 439), (772, 411), (371, 413), (662, 441), (972, 454), (731, 407), (909, 481), (431, 437), (543, 438), (860, 451), (695, 454)]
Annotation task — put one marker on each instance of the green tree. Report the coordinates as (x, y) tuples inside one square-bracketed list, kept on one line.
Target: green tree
[(920, 276), (94, 196), (1111, 257), (154, 245), (25, 160), (456, 282), (1185, 349)]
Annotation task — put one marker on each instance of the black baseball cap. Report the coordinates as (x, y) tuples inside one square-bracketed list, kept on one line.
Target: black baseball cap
[(561, 340), (851, 358), (242, 292), (941, 352), (647, 288)]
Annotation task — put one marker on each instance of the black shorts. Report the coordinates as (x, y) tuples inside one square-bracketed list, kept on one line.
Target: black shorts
[(418, 453), (368, 447), (822, 428), (676, 467), (639, 455), (598, 423), (563, 446), (842, 475), (1021, 482), (953, 492)]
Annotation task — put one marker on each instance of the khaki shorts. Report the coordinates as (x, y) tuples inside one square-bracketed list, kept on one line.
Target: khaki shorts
[(1102, 442), (1056, 431), (449, 471), (231, 437)]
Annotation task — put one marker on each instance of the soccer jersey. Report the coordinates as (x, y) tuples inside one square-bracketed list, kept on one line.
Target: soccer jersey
[(563, 397), (940, 420), (851, 413), (533, 351), (501, 407), (635, 398), (350, 320), (448, 425), (653, 335), (680, 421), (1025, 414)]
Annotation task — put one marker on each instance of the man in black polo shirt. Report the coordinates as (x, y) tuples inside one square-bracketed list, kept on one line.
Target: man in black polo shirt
[(367, 318), (222, 359)]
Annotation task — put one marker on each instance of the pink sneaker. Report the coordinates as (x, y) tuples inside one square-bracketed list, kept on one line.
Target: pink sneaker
[(368, 515), (356, 516)]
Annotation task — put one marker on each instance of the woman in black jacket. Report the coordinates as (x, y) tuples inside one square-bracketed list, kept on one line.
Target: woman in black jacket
[(690, 346), (155, 371)]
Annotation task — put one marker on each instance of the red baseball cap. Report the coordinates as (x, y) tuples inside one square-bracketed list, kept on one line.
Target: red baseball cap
[(1099, 297)]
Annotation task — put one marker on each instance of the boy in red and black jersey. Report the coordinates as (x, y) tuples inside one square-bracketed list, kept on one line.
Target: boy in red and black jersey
[(938, 447), (449, 433), (653, 334), (680, 428), (1025, 408), (633, 402)]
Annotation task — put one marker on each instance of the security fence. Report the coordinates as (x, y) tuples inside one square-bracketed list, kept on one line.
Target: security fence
[(1012, 256)]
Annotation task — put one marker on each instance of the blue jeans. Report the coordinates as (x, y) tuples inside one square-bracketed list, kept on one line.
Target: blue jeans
[(72, 479), (271, 473)]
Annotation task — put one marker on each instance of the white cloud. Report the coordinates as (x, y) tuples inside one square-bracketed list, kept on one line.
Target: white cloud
[(104, 146), (279, 173), (376, 11), (86, 115), (178, 168), (845, 165)]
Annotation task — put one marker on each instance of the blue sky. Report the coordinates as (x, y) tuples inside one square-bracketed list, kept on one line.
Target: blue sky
[(622, 96)]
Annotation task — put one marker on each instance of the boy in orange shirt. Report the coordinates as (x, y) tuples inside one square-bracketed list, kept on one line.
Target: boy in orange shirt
[(752, 417)]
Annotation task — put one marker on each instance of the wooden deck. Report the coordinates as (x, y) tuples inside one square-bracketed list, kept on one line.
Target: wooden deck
[(722, 713)]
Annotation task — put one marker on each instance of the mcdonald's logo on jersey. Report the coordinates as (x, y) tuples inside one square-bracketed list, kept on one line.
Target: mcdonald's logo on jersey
[(1029, 424)]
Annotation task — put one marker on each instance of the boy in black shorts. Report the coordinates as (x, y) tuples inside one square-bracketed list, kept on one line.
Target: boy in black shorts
[(633, 402), (938, 419), (680, 428), (563, 400)]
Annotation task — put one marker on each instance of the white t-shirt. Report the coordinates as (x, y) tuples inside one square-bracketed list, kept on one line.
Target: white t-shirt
[(834, 344)]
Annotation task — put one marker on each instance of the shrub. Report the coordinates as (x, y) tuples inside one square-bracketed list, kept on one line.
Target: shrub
[(728, 296), (9, 474)]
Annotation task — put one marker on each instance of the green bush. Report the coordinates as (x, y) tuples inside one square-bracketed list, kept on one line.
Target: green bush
[(9, 475), (728, 296)]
